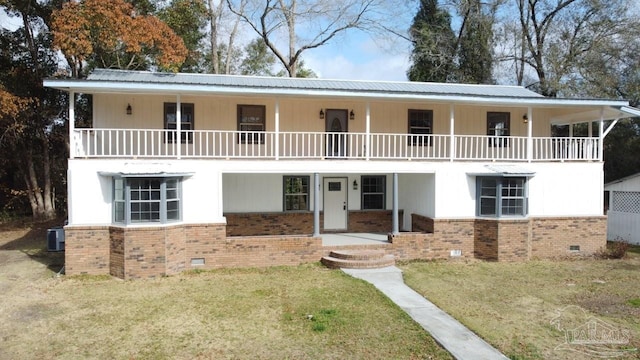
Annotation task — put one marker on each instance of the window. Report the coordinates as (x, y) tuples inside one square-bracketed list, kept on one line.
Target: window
[(296, 193), (251, 123), (146, 200), (186, 123), (373, 192), (498, 126), (501, 196), (420, 125)]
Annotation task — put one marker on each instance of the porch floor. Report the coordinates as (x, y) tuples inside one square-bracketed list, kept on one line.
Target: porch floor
[(346, 239)]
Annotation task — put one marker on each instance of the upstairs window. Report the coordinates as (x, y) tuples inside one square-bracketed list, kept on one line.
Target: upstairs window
[(296, 193), (146, 200), (420, 125), (373, 192), (498, 125), (186, 122), (501, 196), (251, 124)]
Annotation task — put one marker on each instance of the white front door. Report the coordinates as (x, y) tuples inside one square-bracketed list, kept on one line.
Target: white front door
[(335, 203)]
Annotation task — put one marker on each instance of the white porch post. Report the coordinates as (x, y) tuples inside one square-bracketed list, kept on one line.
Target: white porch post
[(570, 129), (590, 128), (316, 204), (72, 123), (452, 139), (529, 134), (367, 141), (601, 136), (178, 140), (277, 130), (394, 212)]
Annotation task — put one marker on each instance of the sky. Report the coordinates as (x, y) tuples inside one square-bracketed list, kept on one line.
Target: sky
[(358, 57)]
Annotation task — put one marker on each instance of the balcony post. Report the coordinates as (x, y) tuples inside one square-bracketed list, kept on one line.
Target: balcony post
[(72, 123), (316, 204), (178, 139), (452, 138), (394, 212), (529, 134), (277, 130), (601, 135), (367, 141)]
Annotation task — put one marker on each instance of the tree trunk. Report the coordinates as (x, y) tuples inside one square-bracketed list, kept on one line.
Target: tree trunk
[(213, 36)]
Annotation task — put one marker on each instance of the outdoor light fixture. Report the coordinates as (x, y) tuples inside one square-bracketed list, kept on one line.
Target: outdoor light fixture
[(321, 114), (128, 109), (352, 115), (525, 118), (355, 185)]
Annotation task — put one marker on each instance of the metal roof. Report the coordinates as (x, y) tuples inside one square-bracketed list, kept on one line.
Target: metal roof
[(145, 82), (304, 84)]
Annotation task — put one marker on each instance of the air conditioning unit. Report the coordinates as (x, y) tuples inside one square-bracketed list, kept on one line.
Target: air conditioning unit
[(55, 239)]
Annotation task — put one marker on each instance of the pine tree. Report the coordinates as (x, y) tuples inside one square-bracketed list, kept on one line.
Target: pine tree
[(475, 56), (433, 44)]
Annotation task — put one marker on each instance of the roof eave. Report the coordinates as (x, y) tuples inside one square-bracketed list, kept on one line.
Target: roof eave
[(93, 87)]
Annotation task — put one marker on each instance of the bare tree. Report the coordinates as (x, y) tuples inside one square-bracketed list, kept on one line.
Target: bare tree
[(555, 38), (289, 28)]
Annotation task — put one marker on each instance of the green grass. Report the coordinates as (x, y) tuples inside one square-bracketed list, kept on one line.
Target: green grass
[(305, 312), (513, 305)]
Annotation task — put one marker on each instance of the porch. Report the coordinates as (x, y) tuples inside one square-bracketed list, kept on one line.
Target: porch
[(268, 145)]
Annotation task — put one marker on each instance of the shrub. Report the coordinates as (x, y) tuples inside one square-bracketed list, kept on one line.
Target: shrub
[(614, 250)]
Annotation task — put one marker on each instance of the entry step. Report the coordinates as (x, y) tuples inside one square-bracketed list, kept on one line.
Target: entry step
[(358, 259)]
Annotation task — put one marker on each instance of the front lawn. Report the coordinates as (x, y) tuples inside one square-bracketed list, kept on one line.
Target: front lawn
[(524, 309), (304, 312)]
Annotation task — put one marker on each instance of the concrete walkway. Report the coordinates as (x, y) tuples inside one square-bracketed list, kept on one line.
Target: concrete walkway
[(461, 342)]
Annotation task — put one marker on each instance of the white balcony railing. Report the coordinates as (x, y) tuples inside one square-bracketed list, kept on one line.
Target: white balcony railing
[(145, 143)]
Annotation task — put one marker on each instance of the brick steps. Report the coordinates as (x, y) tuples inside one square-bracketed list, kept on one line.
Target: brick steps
[(358, 259)]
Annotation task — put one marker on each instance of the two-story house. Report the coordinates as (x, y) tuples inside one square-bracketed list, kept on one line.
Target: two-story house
[(184, 171)]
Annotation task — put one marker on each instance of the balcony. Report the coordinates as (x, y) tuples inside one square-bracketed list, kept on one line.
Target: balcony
[(215, 144)]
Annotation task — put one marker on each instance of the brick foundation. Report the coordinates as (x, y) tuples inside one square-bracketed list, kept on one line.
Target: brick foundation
[(147, 252), (551, 237), (301, 223), (143, 252)]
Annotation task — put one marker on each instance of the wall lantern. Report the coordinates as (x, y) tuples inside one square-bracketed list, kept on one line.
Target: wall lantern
[(525, 118), (321, 114), (355, 185), (352, 115), (129, 109)]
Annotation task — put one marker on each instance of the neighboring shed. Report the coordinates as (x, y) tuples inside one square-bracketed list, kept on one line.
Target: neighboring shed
[(624, 209)]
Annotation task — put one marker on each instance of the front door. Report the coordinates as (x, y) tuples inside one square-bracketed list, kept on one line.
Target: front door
[(335, 203), (336, 127)]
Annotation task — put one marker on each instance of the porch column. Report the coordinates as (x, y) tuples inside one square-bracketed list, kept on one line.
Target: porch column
[(529, 134), (367, 140), (316, 204), (570, 129), (72, 123), (178, 140), (590, 128), (394, 213), (601, 135), (277, 130), (452, 139)]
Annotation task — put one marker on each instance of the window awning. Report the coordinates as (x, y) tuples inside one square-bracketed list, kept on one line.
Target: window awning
[(144, 174), (504, 170)]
